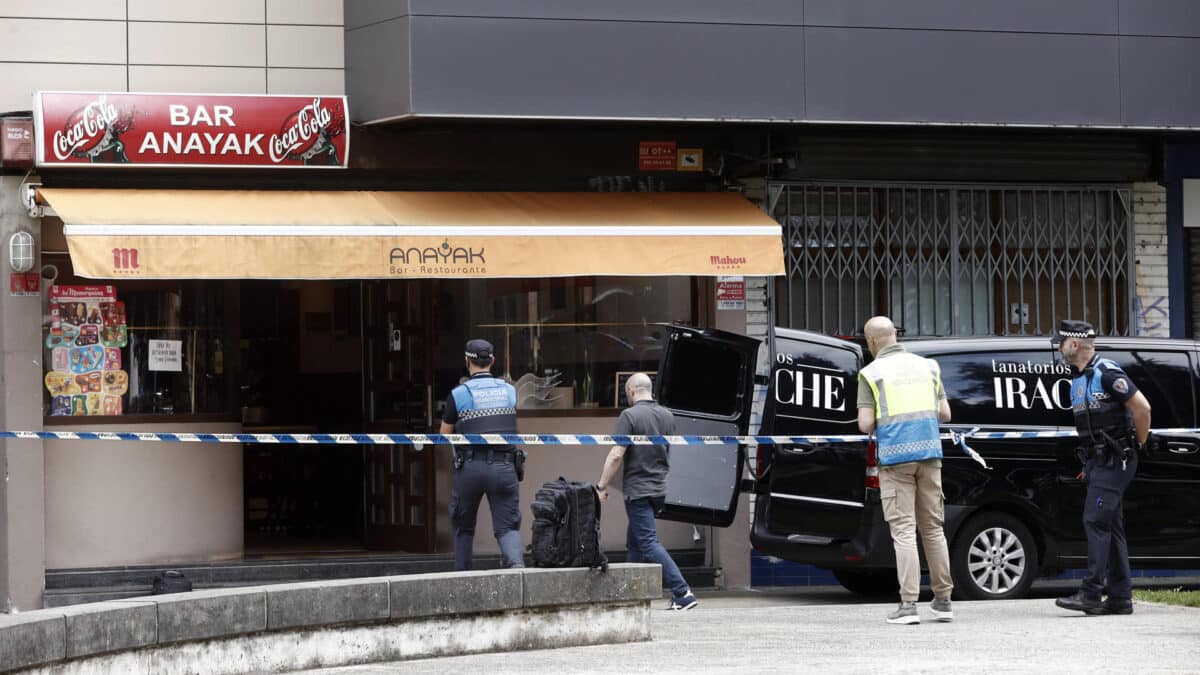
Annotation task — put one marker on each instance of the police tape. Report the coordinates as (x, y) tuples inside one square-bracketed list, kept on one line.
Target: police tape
[(511, 439)]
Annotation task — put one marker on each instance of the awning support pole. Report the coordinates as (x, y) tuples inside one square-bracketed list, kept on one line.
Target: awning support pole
[(770, 338)]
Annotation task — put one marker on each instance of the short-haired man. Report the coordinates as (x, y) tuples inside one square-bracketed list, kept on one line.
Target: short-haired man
[(900, 398), (484, 405), (1113, 421), (644, 483)]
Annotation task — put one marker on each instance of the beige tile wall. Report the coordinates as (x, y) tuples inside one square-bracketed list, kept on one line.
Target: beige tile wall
[(214, 46)]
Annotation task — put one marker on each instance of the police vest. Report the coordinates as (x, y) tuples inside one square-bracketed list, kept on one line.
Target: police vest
[(906, 408), (1095, 409), (486, 405)]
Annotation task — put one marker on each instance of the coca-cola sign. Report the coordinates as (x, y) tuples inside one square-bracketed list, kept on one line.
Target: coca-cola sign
[(190, 130)]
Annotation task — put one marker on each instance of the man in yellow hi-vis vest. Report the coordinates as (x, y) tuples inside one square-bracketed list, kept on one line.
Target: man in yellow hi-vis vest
[(901, 400)]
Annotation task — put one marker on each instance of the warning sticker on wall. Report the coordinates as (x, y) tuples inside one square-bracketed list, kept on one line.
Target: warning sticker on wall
[(731, 292)]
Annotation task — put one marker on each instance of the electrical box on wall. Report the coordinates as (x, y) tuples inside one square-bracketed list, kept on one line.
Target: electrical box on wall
[(1191, 202), (16, 142), (1019, 313)]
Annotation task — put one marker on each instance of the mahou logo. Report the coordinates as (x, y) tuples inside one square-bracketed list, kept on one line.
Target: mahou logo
[(125, 259), (726, 261), (307, 135), (94, 132)]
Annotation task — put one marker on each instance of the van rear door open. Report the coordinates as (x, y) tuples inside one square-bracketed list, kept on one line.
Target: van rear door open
[(706, 378)]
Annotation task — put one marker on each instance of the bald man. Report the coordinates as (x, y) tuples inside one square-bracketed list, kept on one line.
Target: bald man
[(901, 400), (644, 483)]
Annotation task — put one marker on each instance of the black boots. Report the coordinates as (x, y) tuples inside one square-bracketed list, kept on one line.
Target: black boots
[(1082, 603)]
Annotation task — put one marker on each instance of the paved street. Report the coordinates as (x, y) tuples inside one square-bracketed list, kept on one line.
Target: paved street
[(823, 630)]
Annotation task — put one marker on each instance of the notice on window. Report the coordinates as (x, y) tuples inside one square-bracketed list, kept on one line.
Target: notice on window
[(166, 355), (87, 334), (731, 292)]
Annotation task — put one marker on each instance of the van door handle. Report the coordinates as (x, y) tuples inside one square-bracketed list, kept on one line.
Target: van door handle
[(796, 448), (1181, 448)]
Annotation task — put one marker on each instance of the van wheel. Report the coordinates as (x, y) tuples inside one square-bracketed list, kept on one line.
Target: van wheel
[(993, 558), (867, 582)]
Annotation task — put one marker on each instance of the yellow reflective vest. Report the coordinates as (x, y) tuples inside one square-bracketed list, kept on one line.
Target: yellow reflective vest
[(907, 391)]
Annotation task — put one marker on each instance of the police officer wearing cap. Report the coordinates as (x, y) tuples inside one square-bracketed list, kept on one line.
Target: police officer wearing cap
[(1113, 421), (484, 405)]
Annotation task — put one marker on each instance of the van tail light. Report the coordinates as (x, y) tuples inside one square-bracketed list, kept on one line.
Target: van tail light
[(763, 456), (871, 477)]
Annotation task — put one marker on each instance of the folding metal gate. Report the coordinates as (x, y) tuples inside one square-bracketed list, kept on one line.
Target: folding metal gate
[(945, 259)]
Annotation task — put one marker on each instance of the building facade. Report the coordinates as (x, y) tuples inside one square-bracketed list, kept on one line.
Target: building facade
[(968, 171)]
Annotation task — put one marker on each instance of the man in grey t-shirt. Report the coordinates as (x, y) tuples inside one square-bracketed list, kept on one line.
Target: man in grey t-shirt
[(645, 483)]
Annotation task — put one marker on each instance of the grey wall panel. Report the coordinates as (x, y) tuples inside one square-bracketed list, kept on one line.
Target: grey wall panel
[(953, 76), (359, 13), (378, 70), (605, 69), (1159, 81), (1160, 17), (1045, 16), (773, 12), (1180, 18)]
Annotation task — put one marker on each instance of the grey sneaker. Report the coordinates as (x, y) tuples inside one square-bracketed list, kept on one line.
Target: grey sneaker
[(905, 613), (940, 609)]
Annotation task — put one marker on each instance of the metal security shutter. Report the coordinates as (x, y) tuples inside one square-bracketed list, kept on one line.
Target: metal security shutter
[(955, 259)]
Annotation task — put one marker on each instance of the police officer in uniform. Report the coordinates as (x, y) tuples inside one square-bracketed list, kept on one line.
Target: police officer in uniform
[(484, 405), (1113, 421)]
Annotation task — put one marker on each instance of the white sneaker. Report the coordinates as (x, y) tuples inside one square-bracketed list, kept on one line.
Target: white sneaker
[(940, 609), (682, 604), (906, 613)]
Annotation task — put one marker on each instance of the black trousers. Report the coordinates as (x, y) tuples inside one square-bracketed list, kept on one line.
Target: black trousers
[(497, 480), (1104, 524)]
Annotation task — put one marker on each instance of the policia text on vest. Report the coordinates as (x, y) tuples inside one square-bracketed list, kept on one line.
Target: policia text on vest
[(484, 405)]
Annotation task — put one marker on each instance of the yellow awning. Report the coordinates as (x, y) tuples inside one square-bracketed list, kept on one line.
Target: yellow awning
[(261, 234)]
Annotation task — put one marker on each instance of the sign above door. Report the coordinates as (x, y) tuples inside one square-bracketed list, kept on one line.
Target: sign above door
[(190, 130)]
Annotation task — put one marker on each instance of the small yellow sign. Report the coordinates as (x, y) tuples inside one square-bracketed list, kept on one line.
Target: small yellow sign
[(689, 159)]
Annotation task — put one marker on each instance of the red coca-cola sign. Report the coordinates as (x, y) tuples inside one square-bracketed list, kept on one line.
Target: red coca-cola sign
[(189, 130)]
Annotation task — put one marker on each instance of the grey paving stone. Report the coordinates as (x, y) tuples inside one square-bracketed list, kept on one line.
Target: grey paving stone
[(32, 638), (211, 613), (102, 627), (577, 585), (327, 603), (455, 593)]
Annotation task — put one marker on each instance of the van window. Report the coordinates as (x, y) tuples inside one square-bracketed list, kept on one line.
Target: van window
[(1165, 379), (1006, 388), (704, 376)]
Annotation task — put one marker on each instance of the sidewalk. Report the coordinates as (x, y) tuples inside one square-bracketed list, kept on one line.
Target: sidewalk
[(825, 630)]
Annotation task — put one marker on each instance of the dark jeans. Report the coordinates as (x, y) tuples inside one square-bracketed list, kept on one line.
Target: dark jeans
[(498, 480), (1104, 524), (641, 542)]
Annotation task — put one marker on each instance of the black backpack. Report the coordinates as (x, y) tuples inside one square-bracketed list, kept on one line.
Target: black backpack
[(566, 526), (170, 581)]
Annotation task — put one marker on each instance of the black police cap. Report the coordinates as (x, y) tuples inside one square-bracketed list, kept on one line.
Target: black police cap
[(480, 349), (1070, 328)]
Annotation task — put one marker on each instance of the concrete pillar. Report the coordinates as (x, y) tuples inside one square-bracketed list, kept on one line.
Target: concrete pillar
[(731, 545), (1153, 302), (22, 493)]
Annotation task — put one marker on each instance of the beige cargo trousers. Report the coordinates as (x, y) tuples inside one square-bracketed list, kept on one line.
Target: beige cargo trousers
[(911, 495)]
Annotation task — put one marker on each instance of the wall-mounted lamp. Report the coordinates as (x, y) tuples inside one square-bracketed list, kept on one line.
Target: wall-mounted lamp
[(21, 255)]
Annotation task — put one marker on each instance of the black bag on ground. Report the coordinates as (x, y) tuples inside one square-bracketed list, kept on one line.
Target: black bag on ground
[(170, 581), (566, 526)]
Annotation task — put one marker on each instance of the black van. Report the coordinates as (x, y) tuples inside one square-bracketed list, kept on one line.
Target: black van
[(818, 503)]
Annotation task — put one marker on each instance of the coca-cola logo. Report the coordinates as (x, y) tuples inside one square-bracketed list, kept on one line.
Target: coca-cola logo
[(306, 133), (91, 130)]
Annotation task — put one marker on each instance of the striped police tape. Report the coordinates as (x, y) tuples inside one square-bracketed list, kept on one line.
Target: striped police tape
[(505, 439)]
